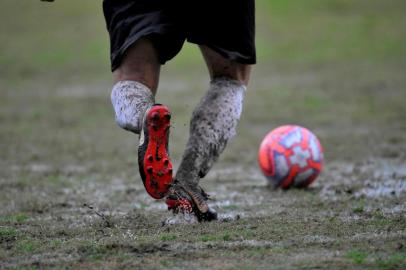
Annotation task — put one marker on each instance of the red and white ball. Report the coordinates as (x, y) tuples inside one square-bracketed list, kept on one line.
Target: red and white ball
[(290, 156)]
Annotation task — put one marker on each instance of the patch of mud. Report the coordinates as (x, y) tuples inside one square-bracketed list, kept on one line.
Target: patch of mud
[(189, 247), (377, 235), (225, 199), (41, 260), (181, 218), (96, 192), (397, 209), (389, 187), (388, 178), (319, 239), (377, 178)]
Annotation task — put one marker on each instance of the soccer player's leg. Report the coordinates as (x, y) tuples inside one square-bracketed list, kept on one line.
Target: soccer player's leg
[(212, 125), (133, 100), (136, 80)]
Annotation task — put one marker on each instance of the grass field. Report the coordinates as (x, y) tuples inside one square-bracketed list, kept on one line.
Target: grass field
[(70, 193)]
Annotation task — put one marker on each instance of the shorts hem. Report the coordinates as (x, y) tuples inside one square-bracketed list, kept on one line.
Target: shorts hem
[(118, 54), (228, 54)]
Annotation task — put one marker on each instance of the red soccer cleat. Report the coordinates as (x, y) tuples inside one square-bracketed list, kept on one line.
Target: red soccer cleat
[(153, 157)]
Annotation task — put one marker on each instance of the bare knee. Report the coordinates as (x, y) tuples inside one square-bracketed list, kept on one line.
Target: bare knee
[(219, 66), (140, 63)]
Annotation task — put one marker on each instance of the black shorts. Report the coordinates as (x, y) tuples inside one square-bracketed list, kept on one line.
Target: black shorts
[(226, 26)]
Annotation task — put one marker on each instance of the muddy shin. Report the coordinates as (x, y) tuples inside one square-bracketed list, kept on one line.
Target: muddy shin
[(213, 124), (130, 100)]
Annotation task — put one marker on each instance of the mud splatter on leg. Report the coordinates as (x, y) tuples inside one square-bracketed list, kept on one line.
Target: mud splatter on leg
[(130, 100), (213, 124)]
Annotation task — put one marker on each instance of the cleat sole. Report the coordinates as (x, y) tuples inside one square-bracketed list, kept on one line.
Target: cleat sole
[(156, 164)]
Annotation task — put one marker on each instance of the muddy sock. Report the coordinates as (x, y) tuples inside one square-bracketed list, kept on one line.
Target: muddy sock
[(130, 100), (213, 124)]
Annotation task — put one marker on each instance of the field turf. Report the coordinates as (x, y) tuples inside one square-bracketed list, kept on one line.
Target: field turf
[(70, 193)]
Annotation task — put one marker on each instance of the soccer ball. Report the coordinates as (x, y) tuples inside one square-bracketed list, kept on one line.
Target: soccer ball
[(290, 156)]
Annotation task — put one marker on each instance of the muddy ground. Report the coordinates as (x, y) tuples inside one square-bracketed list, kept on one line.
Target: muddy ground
[(70, 193)]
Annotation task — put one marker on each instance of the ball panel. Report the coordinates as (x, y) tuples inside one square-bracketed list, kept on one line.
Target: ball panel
[(264, 160), (280, 168), (291, 137), (315, 148), (286, 183), (299, 157)]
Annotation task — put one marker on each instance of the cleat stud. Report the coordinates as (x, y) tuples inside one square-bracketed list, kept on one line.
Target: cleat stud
[(155, 116), (166, 162), (167, 116), (150, 158), (150, 170), (170, 171)]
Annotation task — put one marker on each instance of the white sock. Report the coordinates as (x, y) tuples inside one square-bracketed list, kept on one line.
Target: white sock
[(130, 100)]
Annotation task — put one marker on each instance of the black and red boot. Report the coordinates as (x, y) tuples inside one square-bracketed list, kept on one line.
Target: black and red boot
[(153, 158), (188, 199)]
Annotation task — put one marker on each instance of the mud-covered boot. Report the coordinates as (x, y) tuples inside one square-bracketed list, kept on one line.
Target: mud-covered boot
[(186, 199)]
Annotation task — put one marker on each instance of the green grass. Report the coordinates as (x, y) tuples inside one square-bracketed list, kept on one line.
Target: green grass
[(7, 233), (25, 268), (28, 245), (358, 209), (14, 218), (259, 251), (356, 256), (167, 236), (207, 238), (350, 29), (217, 237), (294, 31), (230, 207), (93, 251), (393, 261), (223, 236)]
